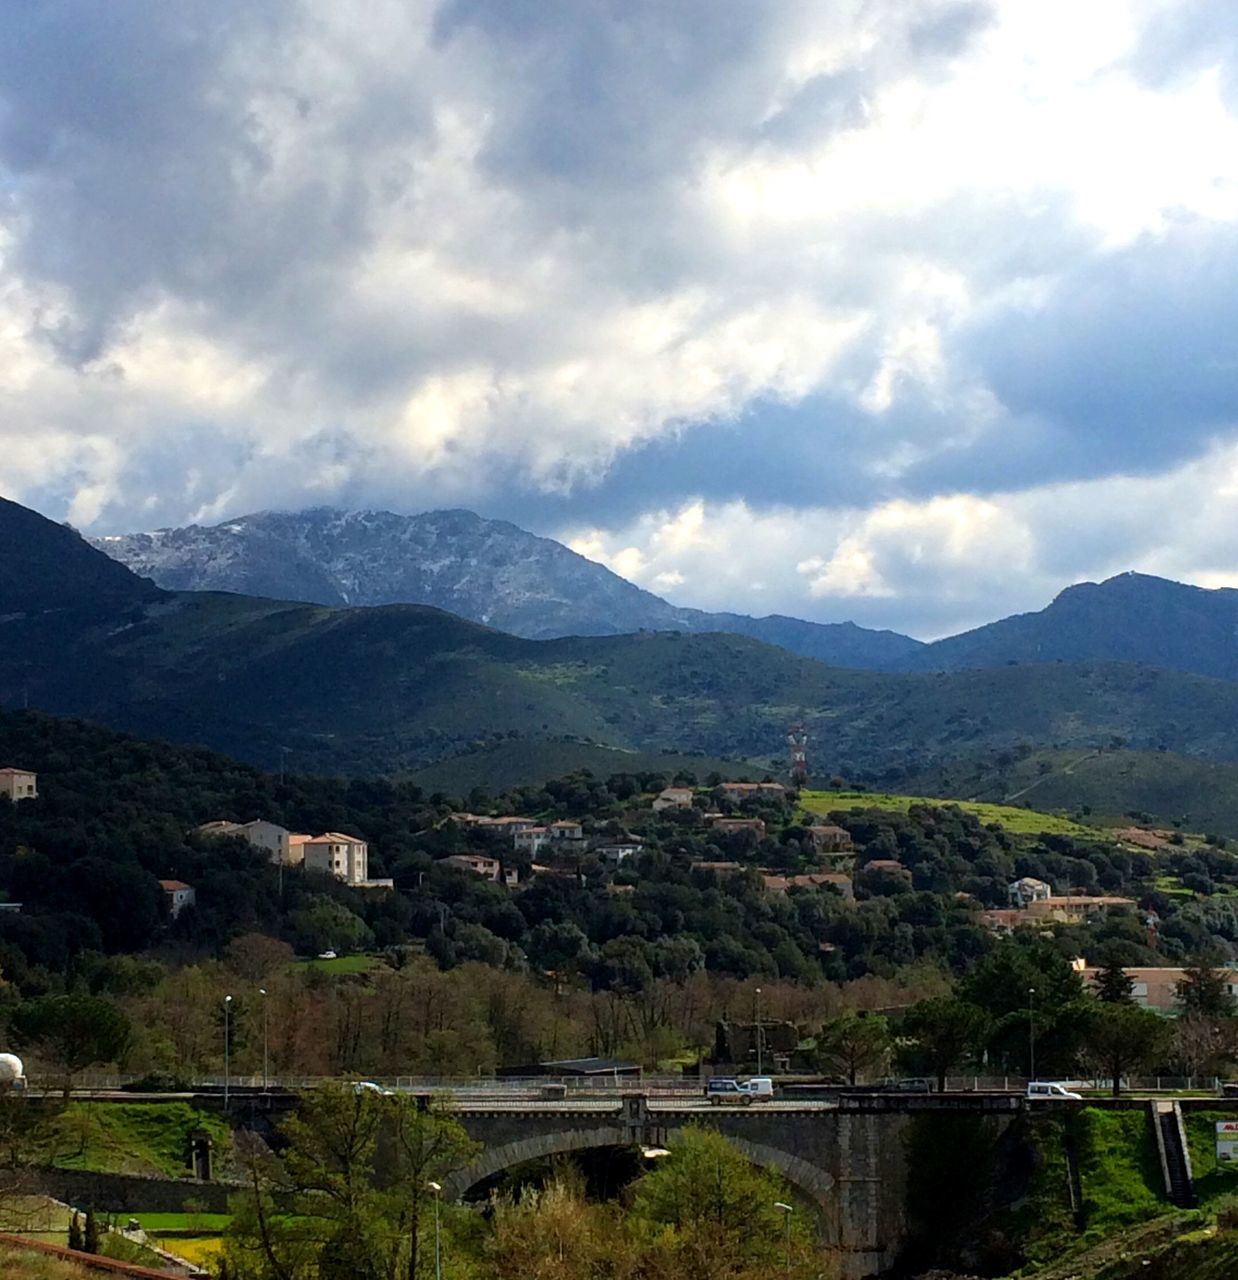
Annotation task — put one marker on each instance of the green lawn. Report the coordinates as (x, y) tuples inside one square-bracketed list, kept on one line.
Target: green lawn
[(341, 964), (1015, 820), (203, 1223), (131, 1137)]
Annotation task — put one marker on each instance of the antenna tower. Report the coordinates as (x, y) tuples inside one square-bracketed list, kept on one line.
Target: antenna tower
[(797, 740)]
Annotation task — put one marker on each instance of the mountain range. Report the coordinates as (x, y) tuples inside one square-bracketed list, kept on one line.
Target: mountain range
[(495, 573), (395, 688), (488, 571)]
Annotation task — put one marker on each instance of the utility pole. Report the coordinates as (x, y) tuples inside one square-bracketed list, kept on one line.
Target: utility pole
[(227, 1048), (266, 1083), (786, 1211), (1031, 1033), (438, 1233), (760, 1036)]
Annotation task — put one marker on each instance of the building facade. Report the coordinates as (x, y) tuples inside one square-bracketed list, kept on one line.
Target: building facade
[(19, 784)]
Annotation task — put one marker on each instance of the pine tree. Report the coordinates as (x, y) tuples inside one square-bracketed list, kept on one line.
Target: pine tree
[(90, 1237), (1113, 984), (76, 1239), (1204, 990)]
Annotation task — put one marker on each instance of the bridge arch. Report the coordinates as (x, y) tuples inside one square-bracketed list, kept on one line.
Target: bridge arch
[(813, 1183), (535, 1147)]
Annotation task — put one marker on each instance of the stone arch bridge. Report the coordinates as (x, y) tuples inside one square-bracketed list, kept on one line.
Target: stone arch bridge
[(847, 1160)]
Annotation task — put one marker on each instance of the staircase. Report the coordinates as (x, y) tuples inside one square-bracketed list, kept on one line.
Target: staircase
[(1174, 1156)]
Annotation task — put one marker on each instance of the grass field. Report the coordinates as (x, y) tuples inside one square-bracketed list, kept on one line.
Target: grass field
[(131, 1137), (25, 1264), (1015, 820), (200, 1250), (200, 1222), (341, 964)]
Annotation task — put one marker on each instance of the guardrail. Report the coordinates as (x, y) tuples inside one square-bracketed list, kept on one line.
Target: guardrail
[(652, 1086)]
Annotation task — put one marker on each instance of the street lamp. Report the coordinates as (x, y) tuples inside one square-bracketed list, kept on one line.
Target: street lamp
[(1031, 1033), (438, 1233), (786, 1211), (760, 1046), (262, 991), (227, 1048)]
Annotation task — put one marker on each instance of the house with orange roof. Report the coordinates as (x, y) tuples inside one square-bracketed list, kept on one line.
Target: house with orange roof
[(178, 895)]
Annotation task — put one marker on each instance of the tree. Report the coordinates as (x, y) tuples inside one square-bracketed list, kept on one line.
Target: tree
[(72, 1032), (348, 1198), (427, 1145), (1204, 990), (716, 1211), (852, 1044), (1113, 985), (554, 1233), (90, 1235), (946, 1032), (1121, 1037)]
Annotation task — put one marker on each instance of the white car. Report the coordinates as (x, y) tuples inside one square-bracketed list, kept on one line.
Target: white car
[(326, 955), (1047, 1089)]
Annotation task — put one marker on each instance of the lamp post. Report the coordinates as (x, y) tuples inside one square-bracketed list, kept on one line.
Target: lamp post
[(760, 1038), (262, 991), (227, 1048), (1031, 1033), (438, 1234), (786, 1211)]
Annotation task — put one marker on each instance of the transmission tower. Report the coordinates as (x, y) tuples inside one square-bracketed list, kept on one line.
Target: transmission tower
[(797, 740)]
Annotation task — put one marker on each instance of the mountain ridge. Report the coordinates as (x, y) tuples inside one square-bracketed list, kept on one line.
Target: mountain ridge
[(490, 571), (495, 573), (1131, 617), (396, 688)]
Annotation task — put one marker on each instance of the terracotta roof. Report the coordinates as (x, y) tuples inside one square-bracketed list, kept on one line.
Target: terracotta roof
[(172, 886), (334, 837), (9, 771)]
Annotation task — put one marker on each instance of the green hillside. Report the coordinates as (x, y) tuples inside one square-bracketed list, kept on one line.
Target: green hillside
[(1109, 785), (512, 763), (402, 687), (1016, 820)]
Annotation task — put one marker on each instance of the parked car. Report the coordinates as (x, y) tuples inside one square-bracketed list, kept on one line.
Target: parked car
[(726, 1089), (368, 1086), (1049, 1089)]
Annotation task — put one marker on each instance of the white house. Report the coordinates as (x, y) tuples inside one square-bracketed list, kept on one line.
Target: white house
[(565, 829), (478, 863), (618, 851), (179, 895), (274, 839), (278, 843), (19, 784), (531, 839), (342, 856)]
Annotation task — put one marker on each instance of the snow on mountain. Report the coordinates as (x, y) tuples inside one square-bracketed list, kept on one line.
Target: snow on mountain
[(489, 571)]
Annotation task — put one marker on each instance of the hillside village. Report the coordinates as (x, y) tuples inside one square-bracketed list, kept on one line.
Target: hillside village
[(615, 881), (736, 826)]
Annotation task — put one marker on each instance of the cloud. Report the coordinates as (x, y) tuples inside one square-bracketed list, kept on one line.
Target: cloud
[(872, 271), (939, 565)]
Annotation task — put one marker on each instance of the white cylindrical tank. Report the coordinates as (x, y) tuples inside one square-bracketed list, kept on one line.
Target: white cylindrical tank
[(11, 1069)]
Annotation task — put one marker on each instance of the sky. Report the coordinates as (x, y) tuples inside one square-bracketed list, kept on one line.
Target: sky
[(910, 312)]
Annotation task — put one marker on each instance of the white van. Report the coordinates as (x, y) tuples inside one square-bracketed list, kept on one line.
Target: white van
[(724, 1089), (1050, 1089)]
